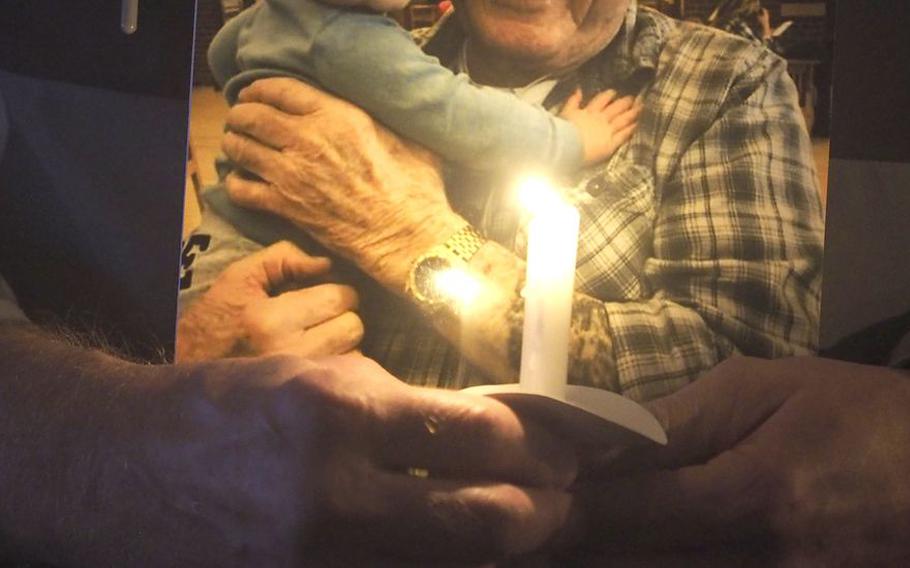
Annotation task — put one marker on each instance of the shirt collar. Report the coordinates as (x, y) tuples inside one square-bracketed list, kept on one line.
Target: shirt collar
[(626, 64)]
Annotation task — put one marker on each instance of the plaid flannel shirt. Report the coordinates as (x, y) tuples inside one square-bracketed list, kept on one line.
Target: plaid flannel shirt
[(700, 239)]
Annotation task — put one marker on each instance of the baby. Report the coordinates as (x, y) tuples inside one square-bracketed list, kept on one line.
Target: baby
[(368, 59)]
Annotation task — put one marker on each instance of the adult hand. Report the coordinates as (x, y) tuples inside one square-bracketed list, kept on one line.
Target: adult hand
[(283, 461), (245, 312), (810, 456), (328, 167)]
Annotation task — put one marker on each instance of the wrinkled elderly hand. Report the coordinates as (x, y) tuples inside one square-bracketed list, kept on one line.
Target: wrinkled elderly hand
[(277, 461), (295, 462), (248, 310), (328, 167), (808, 458)]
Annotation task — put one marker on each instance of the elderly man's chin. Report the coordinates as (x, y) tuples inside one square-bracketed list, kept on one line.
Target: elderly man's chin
[(553, 34)]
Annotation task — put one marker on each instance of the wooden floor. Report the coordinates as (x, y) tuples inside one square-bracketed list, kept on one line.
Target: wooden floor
[(207, 124), (820, 150)]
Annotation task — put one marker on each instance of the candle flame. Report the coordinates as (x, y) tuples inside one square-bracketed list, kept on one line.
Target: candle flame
[(538, 196)]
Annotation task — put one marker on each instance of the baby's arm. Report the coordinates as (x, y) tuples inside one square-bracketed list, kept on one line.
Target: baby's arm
[(605, 123), (369, 60), (222, 54), (385, 73)]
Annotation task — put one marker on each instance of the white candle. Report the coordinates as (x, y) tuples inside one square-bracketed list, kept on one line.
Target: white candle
[(552, 248)]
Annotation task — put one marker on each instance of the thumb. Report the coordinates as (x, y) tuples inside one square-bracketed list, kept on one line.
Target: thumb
[(284, 262), (711, 415), (266, 270)]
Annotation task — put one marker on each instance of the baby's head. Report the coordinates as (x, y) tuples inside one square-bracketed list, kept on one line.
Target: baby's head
[(375, 5)]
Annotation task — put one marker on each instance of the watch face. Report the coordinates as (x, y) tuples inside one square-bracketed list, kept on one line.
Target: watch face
[(425, 277)]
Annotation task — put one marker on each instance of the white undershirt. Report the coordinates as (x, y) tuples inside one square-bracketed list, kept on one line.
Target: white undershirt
[(534, 92)]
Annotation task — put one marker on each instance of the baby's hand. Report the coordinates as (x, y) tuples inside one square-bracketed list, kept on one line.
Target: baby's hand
[(605, 124), (375, 5)]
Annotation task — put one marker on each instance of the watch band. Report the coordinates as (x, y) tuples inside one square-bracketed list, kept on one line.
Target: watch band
[(465, 243), (459, 248)]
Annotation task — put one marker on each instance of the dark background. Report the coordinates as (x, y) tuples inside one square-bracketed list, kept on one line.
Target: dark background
[(867, 254), (872, 81), (91, 187)]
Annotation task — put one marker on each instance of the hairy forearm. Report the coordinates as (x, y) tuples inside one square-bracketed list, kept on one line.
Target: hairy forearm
[(54, 398)]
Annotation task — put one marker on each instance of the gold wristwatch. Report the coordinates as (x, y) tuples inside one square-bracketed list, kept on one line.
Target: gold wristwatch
[(455, 252)]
